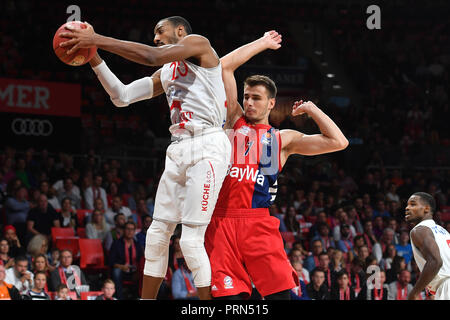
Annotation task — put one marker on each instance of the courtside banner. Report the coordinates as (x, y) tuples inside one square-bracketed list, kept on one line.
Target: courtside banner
[(40, 97)]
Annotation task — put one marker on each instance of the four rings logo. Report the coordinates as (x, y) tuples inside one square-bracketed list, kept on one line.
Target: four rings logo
[(32, 127)]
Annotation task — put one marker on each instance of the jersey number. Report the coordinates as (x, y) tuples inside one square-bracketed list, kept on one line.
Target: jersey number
[(448, 243), (176, 67)]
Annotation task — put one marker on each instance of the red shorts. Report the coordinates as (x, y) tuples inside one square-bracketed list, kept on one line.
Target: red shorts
[(245, 247)]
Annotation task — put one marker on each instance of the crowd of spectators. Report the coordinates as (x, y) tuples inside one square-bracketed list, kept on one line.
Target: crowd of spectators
[(334, 225)]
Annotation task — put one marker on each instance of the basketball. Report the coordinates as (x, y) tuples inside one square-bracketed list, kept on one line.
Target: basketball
[(79, 57)]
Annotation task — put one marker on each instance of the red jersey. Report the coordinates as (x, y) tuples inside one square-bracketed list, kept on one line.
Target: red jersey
[(251, 180)]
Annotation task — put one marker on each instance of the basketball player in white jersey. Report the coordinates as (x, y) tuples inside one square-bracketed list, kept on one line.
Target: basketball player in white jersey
[(431, 248), (198, 157)]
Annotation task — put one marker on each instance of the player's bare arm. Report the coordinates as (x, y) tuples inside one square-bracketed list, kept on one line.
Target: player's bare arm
[(423, 239), (123, 95), (236, 58), (330, 139), (191, 46)]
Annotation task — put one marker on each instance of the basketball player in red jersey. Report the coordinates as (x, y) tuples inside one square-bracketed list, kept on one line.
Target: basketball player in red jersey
[(242, 240)]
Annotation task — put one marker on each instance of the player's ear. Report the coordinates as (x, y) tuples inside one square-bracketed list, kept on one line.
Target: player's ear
[(181, 31)]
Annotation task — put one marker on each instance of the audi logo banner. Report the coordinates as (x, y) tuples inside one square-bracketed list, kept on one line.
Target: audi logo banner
[(40, 114)]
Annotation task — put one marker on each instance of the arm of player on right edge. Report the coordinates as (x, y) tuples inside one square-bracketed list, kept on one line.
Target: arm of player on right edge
[(236, 58), (123, 95), (423, 239)]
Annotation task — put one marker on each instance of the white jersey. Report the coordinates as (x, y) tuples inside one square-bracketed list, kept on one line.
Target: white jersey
[(442, 238), (196, 96)]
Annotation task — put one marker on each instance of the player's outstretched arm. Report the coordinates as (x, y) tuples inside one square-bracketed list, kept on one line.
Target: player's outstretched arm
[(236, 58), (123, 95), (423, 239), (190, 46), (330, 139)]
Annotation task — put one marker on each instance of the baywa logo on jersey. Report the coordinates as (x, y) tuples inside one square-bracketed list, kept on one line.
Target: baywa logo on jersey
[(266, 138), (248, 173), (228, 282)]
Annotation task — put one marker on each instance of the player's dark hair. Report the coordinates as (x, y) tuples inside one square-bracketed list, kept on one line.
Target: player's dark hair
[(428, 199), (265, 81), (177, 20)]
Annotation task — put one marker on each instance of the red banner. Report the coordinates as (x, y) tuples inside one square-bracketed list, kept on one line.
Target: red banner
[(39, 97)]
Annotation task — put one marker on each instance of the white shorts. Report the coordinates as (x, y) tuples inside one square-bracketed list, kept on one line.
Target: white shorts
[(194, 172), (443, 291)]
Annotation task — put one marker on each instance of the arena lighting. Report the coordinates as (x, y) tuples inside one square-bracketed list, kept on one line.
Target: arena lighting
[(330, 75), (318, 52), (337, 86)]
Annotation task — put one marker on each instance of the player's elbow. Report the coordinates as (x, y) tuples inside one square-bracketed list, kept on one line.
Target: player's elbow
[(343, 143), (119, 103)]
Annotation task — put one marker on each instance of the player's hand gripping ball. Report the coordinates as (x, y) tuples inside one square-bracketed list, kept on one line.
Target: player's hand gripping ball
[(80, 56)]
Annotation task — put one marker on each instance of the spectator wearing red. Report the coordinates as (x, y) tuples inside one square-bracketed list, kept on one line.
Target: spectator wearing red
[(38, 291), (15, 247), (67, 216), (40, 264), (386, 239), (116, 207), (380, 293), (357, 275), (317, 289), (183, 283), (368, 235), (324, 236), (345, 244), (312, 260), (399, 289), (66, 271), (92, 193), (324, 264)]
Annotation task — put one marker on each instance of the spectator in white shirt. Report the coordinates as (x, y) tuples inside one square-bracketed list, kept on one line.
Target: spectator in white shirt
[(19, 276), (116, 207)]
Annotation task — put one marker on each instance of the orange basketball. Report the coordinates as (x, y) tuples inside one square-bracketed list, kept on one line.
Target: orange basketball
[(79, 57)]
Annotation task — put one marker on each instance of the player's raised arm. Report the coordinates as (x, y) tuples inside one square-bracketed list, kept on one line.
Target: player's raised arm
[(192, 45), (423, 239), (123, 95), (330, 139), (236, 58)]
